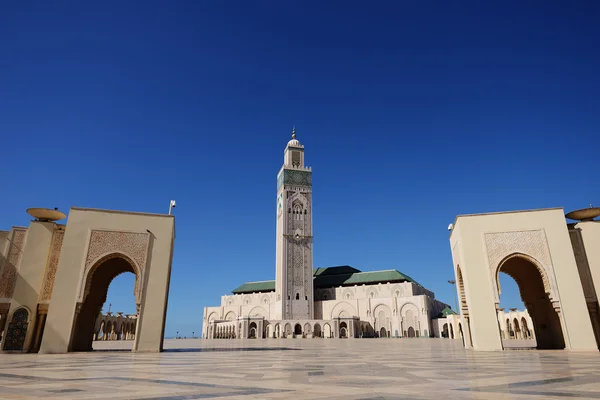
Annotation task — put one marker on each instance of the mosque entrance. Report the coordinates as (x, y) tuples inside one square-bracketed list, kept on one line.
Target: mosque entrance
[(95, 291), (298, 330), (546, 322), (343, 330), (252, 331)]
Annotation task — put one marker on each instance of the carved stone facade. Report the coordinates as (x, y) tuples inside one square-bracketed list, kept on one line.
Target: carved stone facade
[(105, 243), (294, 235), (531, 244), (8, 275), (52, 265)]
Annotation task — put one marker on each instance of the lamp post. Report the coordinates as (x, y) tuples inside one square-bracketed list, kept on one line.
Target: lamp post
[(193, 334), (172, 205), (177, 336), (453, 282)]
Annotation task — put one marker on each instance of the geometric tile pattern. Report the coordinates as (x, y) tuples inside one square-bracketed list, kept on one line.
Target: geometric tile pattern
[(353, 369)]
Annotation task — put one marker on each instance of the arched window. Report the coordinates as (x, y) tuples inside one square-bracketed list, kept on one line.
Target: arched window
[(297, 296)]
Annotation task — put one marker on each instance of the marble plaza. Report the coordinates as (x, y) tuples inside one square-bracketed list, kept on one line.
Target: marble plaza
[(379, 369)]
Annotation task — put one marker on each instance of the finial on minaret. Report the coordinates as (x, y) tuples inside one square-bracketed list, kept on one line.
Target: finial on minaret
[(294, 132)]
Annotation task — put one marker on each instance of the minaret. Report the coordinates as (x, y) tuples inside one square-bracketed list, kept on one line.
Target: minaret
[(294, 254)]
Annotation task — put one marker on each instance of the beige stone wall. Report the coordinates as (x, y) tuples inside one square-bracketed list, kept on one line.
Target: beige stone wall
[(117, 326), (390, 306), (146, 239), (480, 243)]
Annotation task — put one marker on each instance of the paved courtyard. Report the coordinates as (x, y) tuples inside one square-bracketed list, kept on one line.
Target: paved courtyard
[(302, 369)]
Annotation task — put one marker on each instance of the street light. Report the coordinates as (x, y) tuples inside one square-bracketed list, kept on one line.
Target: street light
[(193, 334), (177, 336), (453, 282), (172, 205)]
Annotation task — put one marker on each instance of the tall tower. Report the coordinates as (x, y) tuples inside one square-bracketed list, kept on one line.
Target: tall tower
[(294, 271)]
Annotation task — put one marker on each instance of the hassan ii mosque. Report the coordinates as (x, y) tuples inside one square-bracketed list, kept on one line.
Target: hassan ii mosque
[(332, 302)]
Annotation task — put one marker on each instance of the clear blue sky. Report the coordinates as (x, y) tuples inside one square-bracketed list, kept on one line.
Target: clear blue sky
[(411, 113)]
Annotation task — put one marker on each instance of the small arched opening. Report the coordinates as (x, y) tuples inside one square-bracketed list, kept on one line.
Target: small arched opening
[(343, 330), (298, 330), (307, 330), (327, 331), (252, 330), (383, 332), (411, 332), (317, 331)]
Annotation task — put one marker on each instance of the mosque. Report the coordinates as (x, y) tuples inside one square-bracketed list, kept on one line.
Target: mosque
[(331, 302)]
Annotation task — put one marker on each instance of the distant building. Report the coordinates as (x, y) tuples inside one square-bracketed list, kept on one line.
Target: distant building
[(333, 302), (115, 327)]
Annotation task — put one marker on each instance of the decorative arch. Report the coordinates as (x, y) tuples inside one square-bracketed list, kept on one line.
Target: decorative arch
[(265, 299), (317, 330), (132, 246), (288, 329), (406, 306), (341, 309), (536, 263), (307, 329), (383, 315), (298, 197), (230, 316), (99, 262), (17, 329), (327, 330), (348, 294), (257, 312), (212, 316)]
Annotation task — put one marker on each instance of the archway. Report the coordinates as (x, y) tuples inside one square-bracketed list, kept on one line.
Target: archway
[(445, 331), (411, 332), (252, 331), (327, 331), (288, 330), (94, 297), (529, 279), (343, 330), (298, 330), (307, 330), (451, 331), (382, 332), (317, 331)]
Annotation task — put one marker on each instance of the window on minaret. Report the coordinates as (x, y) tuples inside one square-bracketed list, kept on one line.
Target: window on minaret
[(296, 158), (298, 210)]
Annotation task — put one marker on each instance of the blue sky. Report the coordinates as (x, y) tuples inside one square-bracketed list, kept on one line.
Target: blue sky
[(411, 113)]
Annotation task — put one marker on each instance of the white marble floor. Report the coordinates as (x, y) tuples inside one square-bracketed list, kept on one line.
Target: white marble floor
[(302, 369)]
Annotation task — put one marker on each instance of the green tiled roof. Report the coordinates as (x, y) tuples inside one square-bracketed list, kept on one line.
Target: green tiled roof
[(333, 277), (255, 287), (447, 311), (343, 269)]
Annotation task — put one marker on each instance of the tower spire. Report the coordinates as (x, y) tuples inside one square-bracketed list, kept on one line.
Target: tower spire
[(294, 132)]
